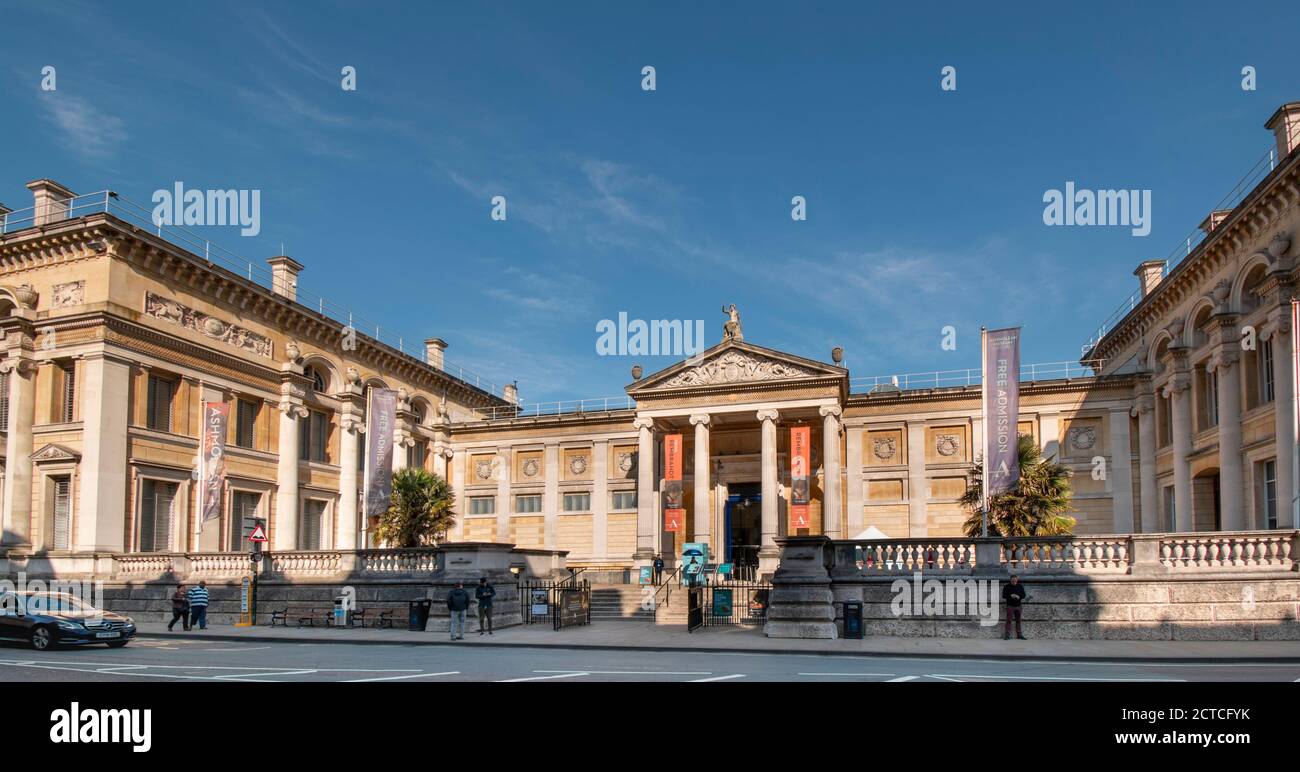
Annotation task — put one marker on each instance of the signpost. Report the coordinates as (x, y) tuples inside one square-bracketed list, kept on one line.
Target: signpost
[(246, 608)]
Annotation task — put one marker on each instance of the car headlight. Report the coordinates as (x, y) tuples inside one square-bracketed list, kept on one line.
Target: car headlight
[(66, 625)]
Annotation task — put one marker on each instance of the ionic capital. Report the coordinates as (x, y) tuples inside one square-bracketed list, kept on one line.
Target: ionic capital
[(768, 415), (643, 422), (829, 410), (700, 419)]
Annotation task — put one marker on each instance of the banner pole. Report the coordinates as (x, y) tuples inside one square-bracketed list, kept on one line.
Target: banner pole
[(984, 418), (1294, 374), (364, 504)]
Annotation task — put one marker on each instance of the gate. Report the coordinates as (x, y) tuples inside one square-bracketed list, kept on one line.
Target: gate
[(728, 603), (561, 604)]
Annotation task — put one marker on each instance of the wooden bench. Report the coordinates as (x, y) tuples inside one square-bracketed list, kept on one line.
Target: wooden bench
[(382, 617), (304, 616)]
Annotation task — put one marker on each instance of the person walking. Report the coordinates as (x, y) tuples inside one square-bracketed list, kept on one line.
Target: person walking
[(180, 609), (484, 594), (457, 604), (198, 599), (1012, 595), (659, 568)]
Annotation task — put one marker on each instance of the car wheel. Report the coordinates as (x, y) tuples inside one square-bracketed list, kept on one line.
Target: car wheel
[(42, 638), (117, 644)]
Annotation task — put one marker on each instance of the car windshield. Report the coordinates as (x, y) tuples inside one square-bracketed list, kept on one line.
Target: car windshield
[(55, 602)]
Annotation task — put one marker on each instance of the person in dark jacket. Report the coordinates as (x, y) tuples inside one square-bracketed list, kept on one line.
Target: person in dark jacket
[(458, 604), (180, 609), (659, 568), (484, 594), (1012, 595)]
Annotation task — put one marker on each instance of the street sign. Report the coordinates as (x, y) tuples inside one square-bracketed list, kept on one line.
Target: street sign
[(246, 602), (258, 534)]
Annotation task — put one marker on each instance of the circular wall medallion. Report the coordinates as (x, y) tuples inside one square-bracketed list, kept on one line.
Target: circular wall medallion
[(483, 470), (947, 444), (1083, 438), (885, 448), (626, 461), (578, 464), (531, 467)]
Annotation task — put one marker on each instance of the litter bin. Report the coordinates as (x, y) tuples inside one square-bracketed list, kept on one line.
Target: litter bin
[(852, 619), (342, 614), (419, 616)]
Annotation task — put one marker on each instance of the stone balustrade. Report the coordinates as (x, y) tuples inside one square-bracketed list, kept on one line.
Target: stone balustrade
[(1267, 550), (903, 556), (1066, 554), (397, 561)]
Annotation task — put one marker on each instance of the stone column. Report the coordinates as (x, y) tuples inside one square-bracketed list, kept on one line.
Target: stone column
[(600, 499), (916, 483), (703, 512), (550, 494), (1146, 411), (1121, 471), (768, 552), (647, 530), (832, 503), (349, 524), (1231, 475), (853, 520), (458, 486), (105, 394), (286, 477), (505, 502), (1283, 428), (16, 527), (1049, 426), (1179, 391)]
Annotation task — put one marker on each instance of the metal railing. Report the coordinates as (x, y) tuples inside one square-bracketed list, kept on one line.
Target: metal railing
[(972, 376), (109, 202), (566, 407), (1261, 169)]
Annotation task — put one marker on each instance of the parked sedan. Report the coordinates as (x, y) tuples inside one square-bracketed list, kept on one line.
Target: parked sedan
[(46, 619)]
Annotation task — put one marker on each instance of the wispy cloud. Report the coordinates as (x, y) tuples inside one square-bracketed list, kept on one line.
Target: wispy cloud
[(91, 132)]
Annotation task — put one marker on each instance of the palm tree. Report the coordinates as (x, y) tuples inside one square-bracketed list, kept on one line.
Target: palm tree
[(1035, 506), (419, 510)]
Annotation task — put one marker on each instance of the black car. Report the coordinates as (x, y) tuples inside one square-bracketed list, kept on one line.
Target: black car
[(46, 619)]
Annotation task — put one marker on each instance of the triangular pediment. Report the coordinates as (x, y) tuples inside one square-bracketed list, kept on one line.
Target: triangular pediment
[(53, 452), (732, 363)]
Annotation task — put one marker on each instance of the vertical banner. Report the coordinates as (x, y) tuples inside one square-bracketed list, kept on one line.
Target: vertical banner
[(1001, 410), (212, 458), (381, 417), (800, 460), (674, 512)]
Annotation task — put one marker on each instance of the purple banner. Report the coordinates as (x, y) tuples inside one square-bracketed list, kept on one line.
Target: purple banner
[(381, 417), (1001, 409), (213, 466)]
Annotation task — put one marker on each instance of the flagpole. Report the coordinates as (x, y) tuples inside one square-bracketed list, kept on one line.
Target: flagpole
[(984, 417), (364, 504)]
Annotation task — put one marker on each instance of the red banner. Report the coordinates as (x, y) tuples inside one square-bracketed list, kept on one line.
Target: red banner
[(800, 460), (674, 511)]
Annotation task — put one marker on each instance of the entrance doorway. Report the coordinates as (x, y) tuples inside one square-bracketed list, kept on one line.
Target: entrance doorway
[(743, 528)]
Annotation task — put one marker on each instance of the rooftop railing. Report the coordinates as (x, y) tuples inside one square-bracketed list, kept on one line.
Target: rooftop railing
[(1247, 183), (973, 376), (109, 202), (565, 407)]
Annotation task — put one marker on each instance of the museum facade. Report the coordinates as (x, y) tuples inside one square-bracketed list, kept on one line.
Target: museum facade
[(115, 333)]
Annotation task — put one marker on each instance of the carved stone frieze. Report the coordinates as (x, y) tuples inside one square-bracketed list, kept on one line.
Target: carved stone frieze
[(735, 367), (169, 310)]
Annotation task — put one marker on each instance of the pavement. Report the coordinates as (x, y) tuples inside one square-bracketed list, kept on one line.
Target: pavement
[(644, 636)]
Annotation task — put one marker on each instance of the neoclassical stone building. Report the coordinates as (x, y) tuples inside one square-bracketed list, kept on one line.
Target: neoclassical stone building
[(114, 335)]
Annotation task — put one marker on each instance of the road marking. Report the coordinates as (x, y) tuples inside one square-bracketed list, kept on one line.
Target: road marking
[(634, 672), (543, 678), (243, 676), (716, 678), (847, 675), (248, 648), (901, 679), (945, 678), (401, 677), (120, 667), (225, 667), (1049, 678)]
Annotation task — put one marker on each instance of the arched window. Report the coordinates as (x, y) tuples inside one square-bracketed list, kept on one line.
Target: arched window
[(317, 380)]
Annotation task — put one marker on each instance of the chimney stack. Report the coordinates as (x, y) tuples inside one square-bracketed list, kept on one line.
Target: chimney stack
[(433, 352), (284, 276), (50, 201), (1149, 274), (512, 393), (4, 215), (1285, 125), (1213, 220)]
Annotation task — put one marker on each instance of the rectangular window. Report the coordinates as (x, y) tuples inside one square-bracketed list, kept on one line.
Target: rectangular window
[(1211, 392), (416, 454), (1167, 510), (1164, 421), (313, 437), (67, 392), (159, 415), (157, 500), (246, 423), (623, 500), (313, 520), (1266, 371), (529, 503), (577, 502), (1268, 493), (4, 402), (483, 505), (244, 517), (62, 513)]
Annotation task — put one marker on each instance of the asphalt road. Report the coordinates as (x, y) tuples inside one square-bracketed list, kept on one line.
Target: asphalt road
[(195, 659)]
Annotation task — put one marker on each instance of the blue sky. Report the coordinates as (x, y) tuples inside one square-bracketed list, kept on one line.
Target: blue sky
[(664, 204)]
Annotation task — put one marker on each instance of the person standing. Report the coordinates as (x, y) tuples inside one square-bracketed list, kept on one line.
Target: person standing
[(198, 599), (180, 609), (457, 604), (659, 568), (484, 594), (1012, 595)]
